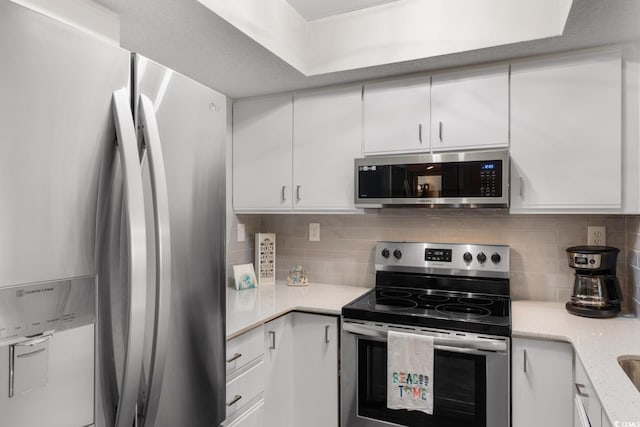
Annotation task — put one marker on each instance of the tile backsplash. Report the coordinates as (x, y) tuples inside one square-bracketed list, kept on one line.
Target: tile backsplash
[(345, 253)]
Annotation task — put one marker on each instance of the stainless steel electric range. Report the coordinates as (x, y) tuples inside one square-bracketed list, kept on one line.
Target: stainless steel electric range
[(457, 293)]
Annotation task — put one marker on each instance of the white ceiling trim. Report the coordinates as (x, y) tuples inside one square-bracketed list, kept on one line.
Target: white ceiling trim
[(393, 32), (315, 9)]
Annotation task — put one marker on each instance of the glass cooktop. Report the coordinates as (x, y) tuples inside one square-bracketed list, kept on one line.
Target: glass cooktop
[(436, 308)]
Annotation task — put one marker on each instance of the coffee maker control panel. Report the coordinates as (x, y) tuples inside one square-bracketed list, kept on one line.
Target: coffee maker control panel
[(585, 261)]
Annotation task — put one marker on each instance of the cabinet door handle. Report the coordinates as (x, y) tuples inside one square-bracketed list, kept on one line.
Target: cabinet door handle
[(284, 193), (272, 336), (522, 187), (234, 358), (440, 131), (326, 334), (298, 192), (580, 392), (235, 400), (420, 132), (524, 360)]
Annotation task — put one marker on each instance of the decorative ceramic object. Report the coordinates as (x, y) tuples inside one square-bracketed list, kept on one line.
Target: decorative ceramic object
[(265, 245), (297, 277), (244, 276)]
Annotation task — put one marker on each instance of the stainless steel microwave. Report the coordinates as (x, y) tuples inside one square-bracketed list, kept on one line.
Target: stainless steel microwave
[(463, 179)]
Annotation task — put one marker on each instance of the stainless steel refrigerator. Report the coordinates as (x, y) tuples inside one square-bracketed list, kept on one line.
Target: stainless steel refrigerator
[(112, 222)]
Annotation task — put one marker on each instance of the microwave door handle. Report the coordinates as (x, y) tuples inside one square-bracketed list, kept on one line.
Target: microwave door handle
[(137, 271), (160, 198)]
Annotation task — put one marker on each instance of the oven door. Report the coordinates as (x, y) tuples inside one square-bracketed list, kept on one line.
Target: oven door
[(471, 379)]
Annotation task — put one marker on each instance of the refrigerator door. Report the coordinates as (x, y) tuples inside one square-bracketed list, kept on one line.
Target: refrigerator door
[(57, 135), (59, 165), (191, 123)]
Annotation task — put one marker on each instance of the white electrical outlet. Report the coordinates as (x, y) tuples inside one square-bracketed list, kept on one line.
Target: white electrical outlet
[(596, 236), (314, 232), (241, 233)]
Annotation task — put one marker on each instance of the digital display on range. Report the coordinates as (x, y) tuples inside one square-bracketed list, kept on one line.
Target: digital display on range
[(442, 255)]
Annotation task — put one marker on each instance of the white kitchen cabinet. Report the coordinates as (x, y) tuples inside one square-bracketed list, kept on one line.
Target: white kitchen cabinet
[(279, 361), (396, 116), (470, 109), (315, 370), (245, 370), (542, 383), (586, 395), (301, 361), (262, 144), (566, 145), (327, 137)]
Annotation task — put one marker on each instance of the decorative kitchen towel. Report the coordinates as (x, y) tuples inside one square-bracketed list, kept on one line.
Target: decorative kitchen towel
[(410, 372)]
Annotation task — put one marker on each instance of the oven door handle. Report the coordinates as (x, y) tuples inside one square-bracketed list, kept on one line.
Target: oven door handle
[(440, 343)]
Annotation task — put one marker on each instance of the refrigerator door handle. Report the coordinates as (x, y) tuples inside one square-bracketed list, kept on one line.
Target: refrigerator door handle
[(163, 258), (137, 272)]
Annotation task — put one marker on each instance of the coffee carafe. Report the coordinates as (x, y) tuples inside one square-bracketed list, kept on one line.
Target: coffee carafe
[(596, 289)]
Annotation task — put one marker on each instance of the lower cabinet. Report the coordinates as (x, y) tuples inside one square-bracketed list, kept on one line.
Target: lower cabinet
[(588, 408), (550, 387), (301, 357), (294, 380), (542, 383)]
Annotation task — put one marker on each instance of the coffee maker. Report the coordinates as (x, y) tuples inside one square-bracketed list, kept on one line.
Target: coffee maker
[(596, 289)]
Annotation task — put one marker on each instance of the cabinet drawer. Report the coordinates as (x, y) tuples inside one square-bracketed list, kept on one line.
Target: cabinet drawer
[(251, 417), (245, 387), (243, 349)]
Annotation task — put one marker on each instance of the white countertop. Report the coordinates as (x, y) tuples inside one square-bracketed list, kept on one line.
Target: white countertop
[(597, 342), (249, 308)]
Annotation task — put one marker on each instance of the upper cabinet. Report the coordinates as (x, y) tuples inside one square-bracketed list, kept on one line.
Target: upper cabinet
[(396, 116), (327, 137), (566, 144), (262, 143), (470, 109), (296, 153)]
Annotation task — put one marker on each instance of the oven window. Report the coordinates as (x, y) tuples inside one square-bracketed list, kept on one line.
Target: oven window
[(459, 389)]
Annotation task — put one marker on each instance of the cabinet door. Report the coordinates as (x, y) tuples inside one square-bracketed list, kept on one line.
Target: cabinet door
[(279, 361), (566, 146), (262, 150), (542, 383), (470, 109), (396, 116), (327, 137), (316, 370), (587, 395)]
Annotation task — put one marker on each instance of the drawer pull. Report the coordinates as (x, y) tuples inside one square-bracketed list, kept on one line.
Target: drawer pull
[(235, 400), (234, 358), (580, 392)]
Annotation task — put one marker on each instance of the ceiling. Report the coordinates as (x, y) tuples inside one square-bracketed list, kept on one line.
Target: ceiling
[(315, 9), (187, 37)]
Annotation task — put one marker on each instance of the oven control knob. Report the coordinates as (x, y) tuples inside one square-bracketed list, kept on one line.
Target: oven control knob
[(397, 253), (385, 253), (495, 258), (482, 257), (467, 257)]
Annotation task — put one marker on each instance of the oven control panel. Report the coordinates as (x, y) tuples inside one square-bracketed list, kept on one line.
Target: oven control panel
[(443, 258)]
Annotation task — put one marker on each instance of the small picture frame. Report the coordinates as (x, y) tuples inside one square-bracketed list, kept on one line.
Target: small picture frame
[(245, 276), (265, 258)]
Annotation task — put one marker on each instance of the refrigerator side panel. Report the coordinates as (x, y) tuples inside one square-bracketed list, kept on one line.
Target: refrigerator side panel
[(191, 123), (57, 132)]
